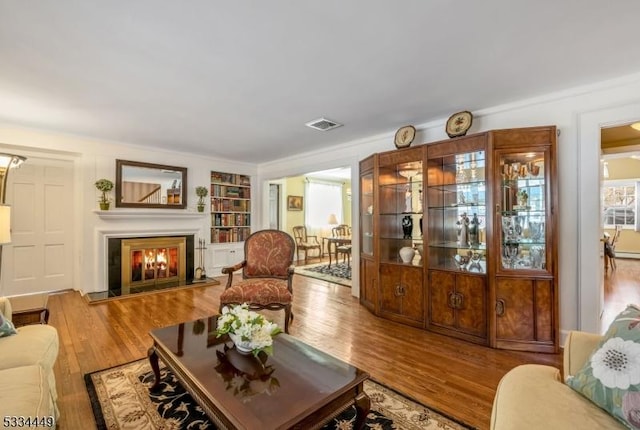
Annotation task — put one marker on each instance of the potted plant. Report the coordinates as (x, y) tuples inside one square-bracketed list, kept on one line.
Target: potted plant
[(104, 185), (201, 192)]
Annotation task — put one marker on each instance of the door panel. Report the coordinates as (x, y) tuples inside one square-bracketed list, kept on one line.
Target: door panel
[(368, 296), (413, 298), (40, 257), (516, 322), (472, 316), (544, 310), (390, 301), (441, 285)]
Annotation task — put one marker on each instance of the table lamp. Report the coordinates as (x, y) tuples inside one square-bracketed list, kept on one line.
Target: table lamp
[(5, 224), (333, 220)]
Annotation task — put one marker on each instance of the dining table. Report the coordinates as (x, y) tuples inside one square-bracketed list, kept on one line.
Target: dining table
[(333, 242)]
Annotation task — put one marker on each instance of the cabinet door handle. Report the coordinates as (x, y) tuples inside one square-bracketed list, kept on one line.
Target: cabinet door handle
[(500, 305), (452, 300), (459, 299), (397, 291)]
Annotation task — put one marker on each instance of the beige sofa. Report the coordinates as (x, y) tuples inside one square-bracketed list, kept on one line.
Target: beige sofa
[(534, 396), (28, 387)]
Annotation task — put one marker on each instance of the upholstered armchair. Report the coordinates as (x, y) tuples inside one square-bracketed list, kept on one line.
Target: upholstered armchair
[(305, 242), (267, 274)]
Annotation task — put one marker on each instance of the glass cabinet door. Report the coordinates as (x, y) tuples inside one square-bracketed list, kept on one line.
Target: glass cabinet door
[(400, 197), (457, 212), (366, 214), (522, 211)]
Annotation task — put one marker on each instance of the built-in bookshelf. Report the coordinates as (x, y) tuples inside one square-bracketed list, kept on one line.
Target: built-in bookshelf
[(230, 207)]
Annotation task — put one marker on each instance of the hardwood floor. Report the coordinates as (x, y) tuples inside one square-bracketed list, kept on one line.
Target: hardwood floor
[(621, 287), (455, 377)]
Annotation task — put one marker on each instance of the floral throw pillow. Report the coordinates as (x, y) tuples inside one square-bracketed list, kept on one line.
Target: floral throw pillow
[(611, 376), (6, 327)]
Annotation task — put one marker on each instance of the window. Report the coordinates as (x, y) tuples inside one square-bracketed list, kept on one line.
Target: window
[(322, 199), (619, 203)]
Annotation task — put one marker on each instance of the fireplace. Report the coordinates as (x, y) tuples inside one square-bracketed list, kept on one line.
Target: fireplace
[(137, 264), (147, 261)]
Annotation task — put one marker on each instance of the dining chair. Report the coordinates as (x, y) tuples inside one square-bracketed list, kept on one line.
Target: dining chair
[(267, 274), (306, 242), (614, 241), (343, 230)]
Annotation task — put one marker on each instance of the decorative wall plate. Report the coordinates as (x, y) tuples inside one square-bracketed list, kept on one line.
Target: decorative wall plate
[(459, 123), (404, 136)]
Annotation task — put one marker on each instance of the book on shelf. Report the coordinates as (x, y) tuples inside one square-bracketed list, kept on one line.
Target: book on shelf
[(230, 191), (228, 235), (230, 207), (231, 220), (227, 205), (230, 178)]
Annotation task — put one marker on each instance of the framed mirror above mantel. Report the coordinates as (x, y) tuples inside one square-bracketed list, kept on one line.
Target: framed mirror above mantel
[(147, 185)]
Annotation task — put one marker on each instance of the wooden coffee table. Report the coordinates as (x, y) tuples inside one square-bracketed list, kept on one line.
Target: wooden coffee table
[(297, 387)]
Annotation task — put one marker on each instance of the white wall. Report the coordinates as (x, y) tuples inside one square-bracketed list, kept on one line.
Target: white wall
[(94, 159), (564, 109), (577, 112)]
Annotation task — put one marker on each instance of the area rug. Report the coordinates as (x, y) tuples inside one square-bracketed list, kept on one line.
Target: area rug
[(120, 400), (338, 273)]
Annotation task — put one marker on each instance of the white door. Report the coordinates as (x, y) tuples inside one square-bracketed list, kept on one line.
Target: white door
[(40, 256)]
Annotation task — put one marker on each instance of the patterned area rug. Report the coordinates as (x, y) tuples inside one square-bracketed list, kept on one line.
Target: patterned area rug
[(337, 273), (120, 399)]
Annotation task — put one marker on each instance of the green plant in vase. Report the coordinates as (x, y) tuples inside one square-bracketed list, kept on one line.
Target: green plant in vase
[(104, 185), (201, 192)]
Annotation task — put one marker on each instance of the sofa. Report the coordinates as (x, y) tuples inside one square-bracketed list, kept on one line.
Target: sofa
[(28, 387), (533, 396)]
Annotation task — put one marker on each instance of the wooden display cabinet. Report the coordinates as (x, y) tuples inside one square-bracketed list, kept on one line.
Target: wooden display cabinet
[(391, 204), (525, 286), (456, 238), (486, 266), (368, 266)]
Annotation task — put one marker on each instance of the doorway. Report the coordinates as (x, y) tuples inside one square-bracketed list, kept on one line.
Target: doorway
[(619, 190), (295, 188), (274, 206)]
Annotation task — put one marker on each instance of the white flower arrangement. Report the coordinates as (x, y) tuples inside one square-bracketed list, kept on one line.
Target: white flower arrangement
[(247, 329)]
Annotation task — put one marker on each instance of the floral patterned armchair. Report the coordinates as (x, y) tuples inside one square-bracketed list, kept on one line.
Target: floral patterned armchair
[(267, 274)]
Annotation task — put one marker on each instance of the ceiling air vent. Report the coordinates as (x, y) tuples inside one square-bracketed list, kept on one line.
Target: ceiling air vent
[(323, 124)]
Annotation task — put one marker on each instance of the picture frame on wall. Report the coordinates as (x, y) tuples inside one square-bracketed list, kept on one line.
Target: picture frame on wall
[(294, 203)]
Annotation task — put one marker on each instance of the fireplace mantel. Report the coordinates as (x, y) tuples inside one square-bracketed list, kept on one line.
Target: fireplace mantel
[(148, 213)]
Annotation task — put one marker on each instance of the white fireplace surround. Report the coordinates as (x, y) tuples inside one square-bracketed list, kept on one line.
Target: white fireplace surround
[(103, 236)]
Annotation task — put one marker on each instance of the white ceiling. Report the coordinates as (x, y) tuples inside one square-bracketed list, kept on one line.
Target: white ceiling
[(238, 79), (339, 174)]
